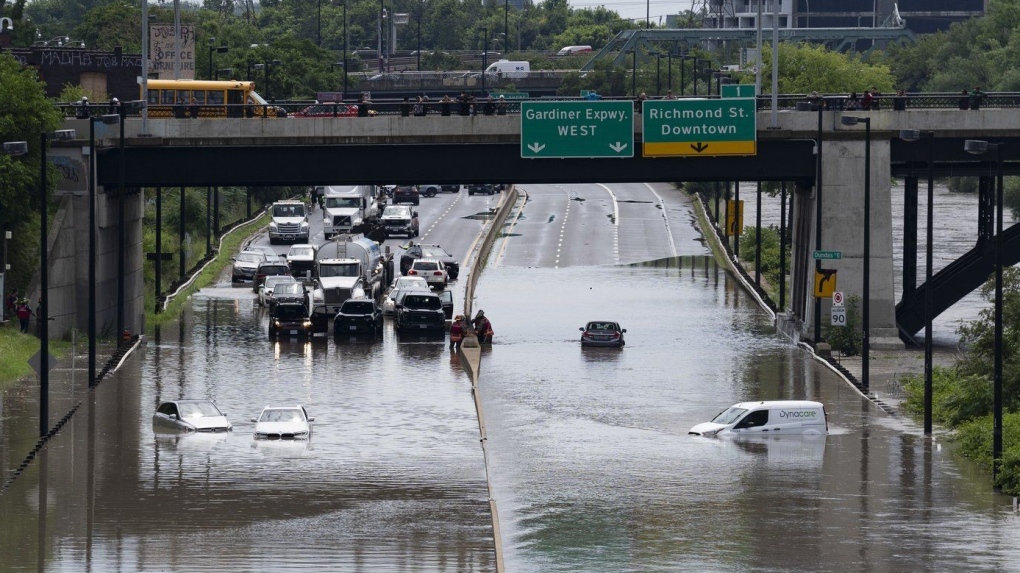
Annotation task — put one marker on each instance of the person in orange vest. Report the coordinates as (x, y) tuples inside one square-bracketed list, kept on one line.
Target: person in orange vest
[(456, 332), (483, 328)]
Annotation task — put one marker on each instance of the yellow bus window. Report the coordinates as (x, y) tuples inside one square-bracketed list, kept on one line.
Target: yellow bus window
[(153, 96), (183, 96), (215, 98), (168, 97), (199, 96)]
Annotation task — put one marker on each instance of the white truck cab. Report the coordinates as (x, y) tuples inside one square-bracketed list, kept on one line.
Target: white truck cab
[(346, 207), (777, 417), (290, 222)]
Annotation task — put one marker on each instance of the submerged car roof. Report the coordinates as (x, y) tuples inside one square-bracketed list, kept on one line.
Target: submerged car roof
[(782, 403)]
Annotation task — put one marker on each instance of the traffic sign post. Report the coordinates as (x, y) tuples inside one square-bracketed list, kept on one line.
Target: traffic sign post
[(734, 218), (707, 128), (825, 283), (838, 315), (565, 129)]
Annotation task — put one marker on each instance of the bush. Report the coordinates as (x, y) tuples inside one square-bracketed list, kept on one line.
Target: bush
[(770, 269), (956, 397)]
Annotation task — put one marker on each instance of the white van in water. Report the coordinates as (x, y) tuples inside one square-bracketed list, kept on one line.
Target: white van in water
[(777, 417)]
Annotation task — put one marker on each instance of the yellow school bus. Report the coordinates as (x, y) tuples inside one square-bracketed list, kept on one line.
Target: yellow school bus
[(205, 98)]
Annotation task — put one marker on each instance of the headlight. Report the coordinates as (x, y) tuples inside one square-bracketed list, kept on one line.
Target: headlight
[(276, 323), (304, 224), (308, 323), (272, 224)]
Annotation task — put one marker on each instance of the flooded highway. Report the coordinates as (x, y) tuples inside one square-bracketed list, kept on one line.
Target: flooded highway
[(589, 458)]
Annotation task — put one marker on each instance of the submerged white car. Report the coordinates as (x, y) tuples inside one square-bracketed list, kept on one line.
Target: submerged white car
[(190, 416), (283, 423)]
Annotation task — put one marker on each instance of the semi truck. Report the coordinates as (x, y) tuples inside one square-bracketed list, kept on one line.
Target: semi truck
[(344, 208), (346, 267)]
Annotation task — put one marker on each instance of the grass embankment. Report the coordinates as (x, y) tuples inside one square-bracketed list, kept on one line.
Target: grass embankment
[(231, 244), (15, 350)]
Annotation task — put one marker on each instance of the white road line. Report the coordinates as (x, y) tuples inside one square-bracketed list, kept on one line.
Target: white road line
[(665, 219), (616, 223), (513, 224)]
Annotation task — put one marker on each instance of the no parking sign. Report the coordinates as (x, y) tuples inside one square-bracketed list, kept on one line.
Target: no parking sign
[(838, 310), (837, 298)]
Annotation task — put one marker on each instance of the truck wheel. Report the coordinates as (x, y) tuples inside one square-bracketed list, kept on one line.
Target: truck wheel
[(272, 241)]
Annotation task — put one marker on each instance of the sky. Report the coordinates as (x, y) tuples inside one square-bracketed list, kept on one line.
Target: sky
[(636, 9)]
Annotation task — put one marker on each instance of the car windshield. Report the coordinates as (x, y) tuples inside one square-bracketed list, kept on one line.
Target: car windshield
[(395, 211), (729, 415), (602, 326), (288, 210), (197, 410), (409, 281), (437, 252), (274, 270), (426, 302), (302, 252), (343, 202), (288, 288), (338, 270), (357, 307), (249, 258), (426, 266), (281, 415), (290, 311), (271, 282)]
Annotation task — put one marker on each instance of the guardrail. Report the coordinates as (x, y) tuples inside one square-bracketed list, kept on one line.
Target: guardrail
[(785, 102)]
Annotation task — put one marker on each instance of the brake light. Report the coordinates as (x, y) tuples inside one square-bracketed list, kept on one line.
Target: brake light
[(412, 272), (438, 273)]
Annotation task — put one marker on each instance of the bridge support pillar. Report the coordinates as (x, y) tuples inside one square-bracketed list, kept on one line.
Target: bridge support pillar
[(842, 227)]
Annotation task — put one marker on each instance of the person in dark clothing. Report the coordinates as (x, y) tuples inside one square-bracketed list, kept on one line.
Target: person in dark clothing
[(900, 101), (424, 105), (363, 105), (501, 106), (867, 100), (490, 106), (465, 104), (405, 107), (876, 102), (853, 103), (964, 100), (115, 107), (193, 108), (179, 110), (82, 110), (444, 105), (976, 98)]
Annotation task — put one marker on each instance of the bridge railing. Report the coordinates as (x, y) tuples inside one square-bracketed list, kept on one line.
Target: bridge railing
[(785, 102)]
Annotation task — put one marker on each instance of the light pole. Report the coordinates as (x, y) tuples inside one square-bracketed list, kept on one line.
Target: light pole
[(914, 135), (345, 49), (633, 74), (218, 50), (818, 224), (506, 24), (485, 49), (318, 26), (421, 5), (978, 147), (266, 67), (658, 82), (108, 119), (866, 296)]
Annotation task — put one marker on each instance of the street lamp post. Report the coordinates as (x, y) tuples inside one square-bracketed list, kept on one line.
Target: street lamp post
[(345, 49), (218, 50), (633, 74), (506, 23), (866, 291), (978, 147), (485, 50), (318, 26), (914, 135), (658, 81), (107, 119)]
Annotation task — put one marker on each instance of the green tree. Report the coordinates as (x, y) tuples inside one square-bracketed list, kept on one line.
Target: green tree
[(24, 114), (805, 68), (978, 337)]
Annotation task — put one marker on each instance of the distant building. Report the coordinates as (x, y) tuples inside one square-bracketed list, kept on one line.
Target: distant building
[(113, 73), (920, 16)]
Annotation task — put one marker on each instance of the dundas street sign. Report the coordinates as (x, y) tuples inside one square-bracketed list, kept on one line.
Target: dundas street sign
[(699, 127), (562, 129)]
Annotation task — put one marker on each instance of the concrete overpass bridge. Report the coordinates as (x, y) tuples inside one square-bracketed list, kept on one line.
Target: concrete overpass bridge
[(464, 149)]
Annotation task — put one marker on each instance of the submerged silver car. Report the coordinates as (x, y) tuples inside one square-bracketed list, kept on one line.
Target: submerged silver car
[(283, 422), (190, 416)]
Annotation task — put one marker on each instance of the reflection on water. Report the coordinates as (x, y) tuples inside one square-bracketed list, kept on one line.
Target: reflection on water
[(593, 469)]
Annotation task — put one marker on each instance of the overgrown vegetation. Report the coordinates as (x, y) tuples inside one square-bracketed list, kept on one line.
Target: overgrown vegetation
[(15, 350), (771, 272), (962, 395), (848, 339)]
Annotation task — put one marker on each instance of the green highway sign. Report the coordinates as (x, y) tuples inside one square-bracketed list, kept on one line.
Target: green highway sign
[(828, 255), (737, 90), (565, 129), (699, 127)]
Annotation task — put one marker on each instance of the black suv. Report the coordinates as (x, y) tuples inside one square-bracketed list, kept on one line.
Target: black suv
[(415, 252), (405, 194), (487, 188), (421, 311), (268, 269), (358, 316), (290, 319)]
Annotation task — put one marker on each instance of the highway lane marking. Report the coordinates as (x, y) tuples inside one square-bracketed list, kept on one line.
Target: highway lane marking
[(665, 219), (439, 218), (616, 223), (513, 224)]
